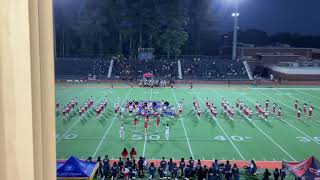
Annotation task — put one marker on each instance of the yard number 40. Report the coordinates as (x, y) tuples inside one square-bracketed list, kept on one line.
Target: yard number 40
[(306, 139)]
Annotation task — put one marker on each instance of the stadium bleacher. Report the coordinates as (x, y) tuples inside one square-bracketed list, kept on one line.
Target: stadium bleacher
[(213, 68), (192, 67), (79, 68)]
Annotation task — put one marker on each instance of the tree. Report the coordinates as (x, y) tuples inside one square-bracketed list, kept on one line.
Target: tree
[(173, 20)]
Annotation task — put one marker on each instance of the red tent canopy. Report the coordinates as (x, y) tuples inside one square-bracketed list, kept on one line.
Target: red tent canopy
[(307, 169), (148, 75)]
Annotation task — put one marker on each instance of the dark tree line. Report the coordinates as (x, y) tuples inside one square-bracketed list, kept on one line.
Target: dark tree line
[(261, 38), (171, 27)]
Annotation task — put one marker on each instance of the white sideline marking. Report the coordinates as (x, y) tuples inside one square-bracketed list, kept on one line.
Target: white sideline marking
[(290, 123), (235, 147), (265, 133), (106, 133), (185, 132)]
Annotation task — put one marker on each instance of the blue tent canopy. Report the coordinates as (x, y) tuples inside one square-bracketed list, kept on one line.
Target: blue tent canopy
[(74, 167)]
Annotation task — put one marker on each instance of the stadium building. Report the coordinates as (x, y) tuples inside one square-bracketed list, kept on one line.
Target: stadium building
[(283, 63)]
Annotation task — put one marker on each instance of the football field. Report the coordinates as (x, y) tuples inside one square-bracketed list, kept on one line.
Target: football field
[(203, 138)]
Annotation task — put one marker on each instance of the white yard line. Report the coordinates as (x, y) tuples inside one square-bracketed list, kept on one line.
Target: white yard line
[(290, 123), (145, 137), (266, 135), (104, 136), (106, 133), (294, 98), (144, 146), (308, 94), (292, 107), (68, 130), (71, 127), (314, 106), (224, 132), (304, 101), (185, 132)]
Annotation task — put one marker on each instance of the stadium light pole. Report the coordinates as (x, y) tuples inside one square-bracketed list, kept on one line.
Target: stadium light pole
[(235, 14)]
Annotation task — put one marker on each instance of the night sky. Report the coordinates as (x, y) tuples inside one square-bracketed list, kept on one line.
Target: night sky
[(272, 16)]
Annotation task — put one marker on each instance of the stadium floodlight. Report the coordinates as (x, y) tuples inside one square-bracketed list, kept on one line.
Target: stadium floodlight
[(236, 15)]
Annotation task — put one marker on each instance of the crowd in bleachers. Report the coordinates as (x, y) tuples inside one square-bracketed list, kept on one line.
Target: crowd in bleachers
[(208, 68), (129, 168), (192, 67), (129, 68), (212, 68)]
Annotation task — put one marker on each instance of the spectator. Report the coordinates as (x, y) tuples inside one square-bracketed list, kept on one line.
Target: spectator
[(174, 171), (89, 159), (128, 163), (152, 171), (215, 165), (266, 174), (205, 172), (99, 170), (276, 174), (191, 163), (114, 171), (199, 170), (161, 172), (124, 153), (145, 163), (252, 168), (133, 153), (170, 164), (134, 169), (235, 172), (163, 163), (106, 167), (126, 173), (211, 175), (283, 173), (187, 172), (120, 164), (140, 166), (182, 166), (227, 170)]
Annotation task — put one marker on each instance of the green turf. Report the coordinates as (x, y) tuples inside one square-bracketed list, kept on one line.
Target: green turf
[(206, 138)]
